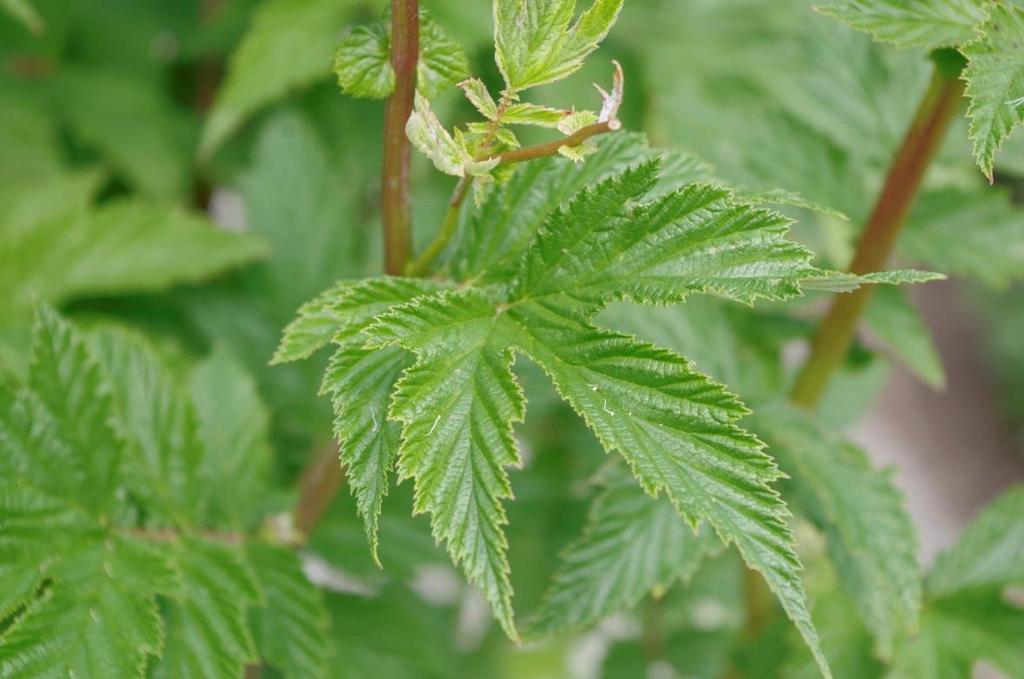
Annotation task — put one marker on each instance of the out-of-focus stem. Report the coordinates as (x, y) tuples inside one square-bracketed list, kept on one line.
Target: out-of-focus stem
[(835, 333)]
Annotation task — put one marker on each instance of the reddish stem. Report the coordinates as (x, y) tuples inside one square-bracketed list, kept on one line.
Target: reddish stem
[(396, 203), (836, 331)]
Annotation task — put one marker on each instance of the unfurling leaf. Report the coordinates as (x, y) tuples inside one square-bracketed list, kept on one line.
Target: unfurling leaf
[(451, 154), (363, 61), (539, 42)]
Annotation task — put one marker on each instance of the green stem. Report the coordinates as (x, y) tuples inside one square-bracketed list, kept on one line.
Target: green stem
[(396, 202), (448, 228), (836, 331)]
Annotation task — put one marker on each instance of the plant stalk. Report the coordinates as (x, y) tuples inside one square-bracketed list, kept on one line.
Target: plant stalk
[(835, 333), (551, 148), (448, 227), (318, 486), (396, 201)]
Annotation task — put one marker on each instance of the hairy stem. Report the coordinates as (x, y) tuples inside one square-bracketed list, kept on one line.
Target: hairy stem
[(396, 202), (836, 331), (551, 147)]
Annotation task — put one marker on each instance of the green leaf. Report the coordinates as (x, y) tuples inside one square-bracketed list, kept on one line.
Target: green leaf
[(314, 325), (60, 469), (99, 619), (342, 312), (846, 642), (288, 46), (781, 197), (871, 538), (127, 245), (839, 281), (632, 546), (538, 42), (295, 198), (362, 62), (991, 250), (995, 82), (136, 126), (676, 428), (60, 440), (607, 245), (533, 114), (457, 405), (989, 553), (291, 630), (395, 635), (476, 91), (23, 11), (449, 154), (893, 317), (968, 618), (207, 631), (913, 23), (494, 235), (359, 382), (717, 336), (233, 427), (428, 135), (442, 62), (158, 424)]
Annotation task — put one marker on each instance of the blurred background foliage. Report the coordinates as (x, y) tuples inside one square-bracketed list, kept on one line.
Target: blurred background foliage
[(190, 169)]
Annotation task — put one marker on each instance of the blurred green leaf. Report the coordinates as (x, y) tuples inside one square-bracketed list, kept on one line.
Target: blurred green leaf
[(233, 425), (989, 553), (207, 631), (632, 546), (127, 245), (977, 233), (894, 318), (913, 23), (871, 537), (23, 11), (291, 628), (288, 46)]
